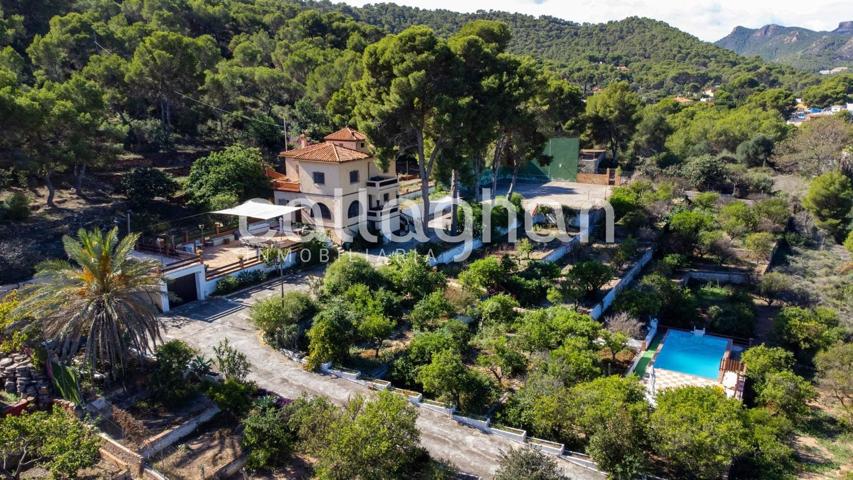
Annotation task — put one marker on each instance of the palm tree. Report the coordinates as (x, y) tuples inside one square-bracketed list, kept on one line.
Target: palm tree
[(102, 295)]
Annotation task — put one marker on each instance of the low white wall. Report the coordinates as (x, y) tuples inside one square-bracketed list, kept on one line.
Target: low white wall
[(169, 438), (354, 375), (719, 276), (209, 286), (626, 280), (447, 256), (562, 250), (653, 329), (473, 422), (546, 446), (379, 384), (437, 407), (514, 434)]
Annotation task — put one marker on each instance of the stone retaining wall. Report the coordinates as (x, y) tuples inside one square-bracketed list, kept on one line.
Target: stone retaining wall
[(20, 377)]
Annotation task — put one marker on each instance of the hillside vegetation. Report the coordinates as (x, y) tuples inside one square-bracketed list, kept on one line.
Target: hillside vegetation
[(654, 57)]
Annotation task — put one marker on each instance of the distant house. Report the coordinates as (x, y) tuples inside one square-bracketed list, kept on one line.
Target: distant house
[(341, 163), (833, 71)]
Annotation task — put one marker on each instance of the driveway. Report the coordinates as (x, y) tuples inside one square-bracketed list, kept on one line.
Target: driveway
[(204, 324), (570, 194)]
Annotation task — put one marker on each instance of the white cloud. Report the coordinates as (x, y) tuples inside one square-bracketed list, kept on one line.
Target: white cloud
[(708, 20)]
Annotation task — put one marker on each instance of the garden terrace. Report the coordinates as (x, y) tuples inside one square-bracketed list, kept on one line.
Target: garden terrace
[(143, 426), (213, 451)]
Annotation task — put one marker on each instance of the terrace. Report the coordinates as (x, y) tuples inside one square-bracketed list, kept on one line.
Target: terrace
[(195, 253), (221, 252)]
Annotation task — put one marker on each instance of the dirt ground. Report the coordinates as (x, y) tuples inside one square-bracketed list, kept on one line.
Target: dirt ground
[(824, 447), (24, 244), (201, 455)]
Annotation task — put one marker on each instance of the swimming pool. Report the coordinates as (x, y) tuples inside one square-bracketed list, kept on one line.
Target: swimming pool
[(698, 355)]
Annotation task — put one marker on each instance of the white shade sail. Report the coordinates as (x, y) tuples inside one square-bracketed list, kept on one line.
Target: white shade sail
[(260, 210)]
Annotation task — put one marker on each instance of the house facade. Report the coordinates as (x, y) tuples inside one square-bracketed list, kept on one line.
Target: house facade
[(339, 185)]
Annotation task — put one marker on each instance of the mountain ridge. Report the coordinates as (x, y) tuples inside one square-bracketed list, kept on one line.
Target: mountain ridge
[(795, 46)]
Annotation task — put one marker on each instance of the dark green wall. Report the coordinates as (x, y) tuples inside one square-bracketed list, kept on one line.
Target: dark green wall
[(564, 152)]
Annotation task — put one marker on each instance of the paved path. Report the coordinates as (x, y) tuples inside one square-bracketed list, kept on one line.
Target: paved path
[(204, 324)]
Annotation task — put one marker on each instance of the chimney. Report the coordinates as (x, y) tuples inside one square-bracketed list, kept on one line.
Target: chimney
[(302, 141)]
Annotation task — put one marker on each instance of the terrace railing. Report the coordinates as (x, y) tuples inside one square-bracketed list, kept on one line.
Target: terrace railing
[(729, 364), (183, 259), (232, 267)]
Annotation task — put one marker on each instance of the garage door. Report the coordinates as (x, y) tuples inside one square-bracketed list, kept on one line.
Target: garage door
[(182, 290)]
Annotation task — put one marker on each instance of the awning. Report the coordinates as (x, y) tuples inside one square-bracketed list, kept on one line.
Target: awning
[(260, 210)]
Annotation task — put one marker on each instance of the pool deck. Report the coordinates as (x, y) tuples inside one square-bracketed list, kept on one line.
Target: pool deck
[(647, 355)]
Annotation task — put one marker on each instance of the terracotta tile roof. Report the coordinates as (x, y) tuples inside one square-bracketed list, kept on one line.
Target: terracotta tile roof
[(346, 134), (325, 152)]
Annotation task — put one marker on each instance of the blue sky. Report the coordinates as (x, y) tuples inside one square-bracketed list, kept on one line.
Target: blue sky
[(709, 20)]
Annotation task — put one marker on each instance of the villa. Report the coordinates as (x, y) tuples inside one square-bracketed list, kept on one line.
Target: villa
[(342, 180), (334, 186)]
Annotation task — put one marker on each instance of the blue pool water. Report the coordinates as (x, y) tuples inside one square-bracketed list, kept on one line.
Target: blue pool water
[(692, 354)]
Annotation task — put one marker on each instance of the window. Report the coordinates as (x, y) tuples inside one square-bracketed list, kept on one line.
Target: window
[(324, 211), (385, 197), (354, 209), (319, 178), (353, 176)]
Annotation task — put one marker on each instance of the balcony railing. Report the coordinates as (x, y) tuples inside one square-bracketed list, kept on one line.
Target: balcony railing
[(378, 182), (285, 185), (377, 212)]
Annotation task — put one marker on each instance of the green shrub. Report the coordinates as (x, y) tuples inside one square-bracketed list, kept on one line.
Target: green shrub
[(57, 440), (348, 271), (231, 362), (411, 275), (66, 381), (498, 309), (266, 435), (15, 208), (231, 283), (760, 244), (226, 285), (283, 320), (142, 185), (675, 261), (315, 251), (168, 380), (431, 311), (232, 396)]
